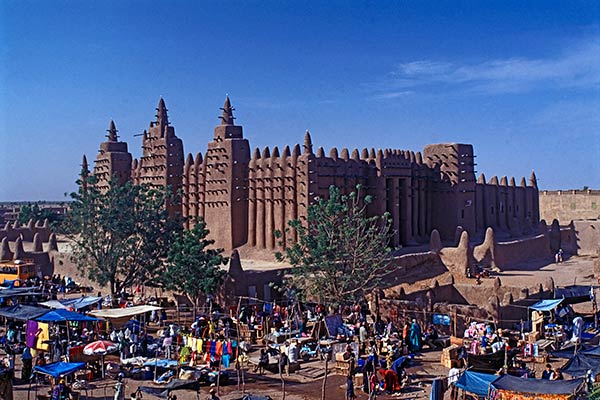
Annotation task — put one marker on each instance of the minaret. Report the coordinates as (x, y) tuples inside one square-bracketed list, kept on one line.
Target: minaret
[(226, 189), (113, 160), (161, 163), (227, 129)]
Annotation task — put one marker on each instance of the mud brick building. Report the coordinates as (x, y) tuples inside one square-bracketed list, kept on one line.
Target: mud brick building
[(246, 195)]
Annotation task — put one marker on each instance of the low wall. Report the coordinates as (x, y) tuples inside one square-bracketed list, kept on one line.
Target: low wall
[(522, 250), (587, 237)]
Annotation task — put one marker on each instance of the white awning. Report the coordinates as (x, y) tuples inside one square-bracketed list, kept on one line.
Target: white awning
[(123, 312)]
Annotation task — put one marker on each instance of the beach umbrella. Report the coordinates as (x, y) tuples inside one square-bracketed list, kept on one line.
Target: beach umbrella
[(101, 348)]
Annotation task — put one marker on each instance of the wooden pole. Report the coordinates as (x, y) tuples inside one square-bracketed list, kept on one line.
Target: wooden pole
[(238, 364)]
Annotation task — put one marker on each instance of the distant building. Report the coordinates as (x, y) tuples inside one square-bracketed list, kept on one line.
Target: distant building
[(9, 212), (569, 205), (245, 196)]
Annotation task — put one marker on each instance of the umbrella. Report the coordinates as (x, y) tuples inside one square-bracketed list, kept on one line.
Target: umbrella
[(100, 347)]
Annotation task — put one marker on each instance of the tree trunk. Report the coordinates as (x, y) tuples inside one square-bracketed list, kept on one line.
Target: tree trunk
[(113, 292), (195, 309)]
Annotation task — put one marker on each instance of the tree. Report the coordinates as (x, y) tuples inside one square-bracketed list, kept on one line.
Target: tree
[(121, 236), (192, 267), (33, 212), (341, 253)]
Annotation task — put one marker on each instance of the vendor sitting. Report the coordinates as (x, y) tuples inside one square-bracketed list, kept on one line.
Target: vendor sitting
[(431, 338), (61, 391)]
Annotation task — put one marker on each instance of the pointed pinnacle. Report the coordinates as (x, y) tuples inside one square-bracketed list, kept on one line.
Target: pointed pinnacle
[(161, 114), (112, 132), (227, 115), (308, 147)]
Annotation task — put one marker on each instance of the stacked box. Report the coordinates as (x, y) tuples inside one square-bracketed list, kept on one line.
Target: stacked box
[(450, 356)]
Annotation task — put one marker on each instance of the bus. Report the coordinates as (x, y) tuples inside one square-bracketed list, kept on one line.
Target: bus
[(17, 271)]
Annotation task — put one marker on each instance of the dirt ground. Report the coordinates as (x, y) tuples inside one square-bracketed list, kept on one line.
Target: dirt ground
[(301, 386), (297, 386)]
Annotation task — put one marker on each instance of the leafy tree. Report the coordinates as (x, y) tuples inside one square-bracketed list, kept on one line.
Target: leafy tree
[(192, 267), (341, 253), (120, 236), (33, 212)]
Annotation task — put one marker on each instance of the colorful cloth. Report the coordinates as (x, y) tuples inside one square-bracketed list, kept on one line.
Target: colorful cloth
[(32, 327)]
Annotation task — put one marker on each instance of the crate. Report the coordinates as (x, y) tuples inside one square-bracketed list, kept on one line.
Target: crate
[(342, 367), (541, 359), (451, 363), (449, 354), (456, 340)]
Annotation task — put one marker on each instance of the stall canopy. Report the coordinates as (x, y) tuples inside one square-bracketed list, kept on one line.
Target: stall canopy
[(579, 364), (76, 304), (573, 294), (569, 350), (489, 362), (475, 382), (176, 384), (64, 315), (123, 312), (546, 305), (16, 292), (59, 368), (537, 386), (22, 312)]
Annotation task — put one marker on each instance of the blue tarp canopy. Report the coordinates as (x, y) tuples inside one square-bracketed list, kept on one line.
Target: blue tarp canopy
[(537, 386), (59, 368), (64, 315), (579, 364), (569, 351), (22, 312), (475, 382), (546, 305)]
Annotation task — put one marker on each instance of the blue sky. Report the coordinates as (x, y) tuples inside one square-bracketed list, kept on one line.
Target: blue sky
[(520, 80)]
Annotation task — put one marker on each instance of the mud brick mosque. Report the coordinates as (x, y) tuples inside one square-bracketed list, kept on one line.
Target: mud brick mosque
[(246, 195)]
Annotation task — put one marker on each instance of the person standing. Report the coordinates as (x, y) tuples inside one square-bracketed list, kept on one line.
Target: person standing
[(363, 336), (415, 338), (373, 386), (350, 358), (27, 361), (119, 388)]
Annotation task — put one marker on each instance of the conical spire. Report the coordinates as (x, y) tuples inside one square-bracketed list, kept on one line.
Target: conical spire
[(112, 132), (5, 253), (533, 180), (161, 113), (37, 243), (52, 242), (19, 251), (308, 147), (227, 116)]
